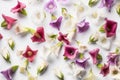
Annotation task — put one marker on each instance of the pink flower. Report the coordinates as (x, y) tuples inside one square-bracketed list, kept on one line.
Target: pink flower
[(94, 53), (19, 8), (30, 54), (39, 35), (1, 36), (8, 21), (63, 37), (70, 52), (105, 70), (110, 28)]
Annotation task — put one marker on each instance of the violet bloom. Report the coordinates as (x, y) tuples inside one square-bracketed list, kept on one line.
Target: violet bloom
[(51, 6), (105, 70), (56, 23), (83, 26), (94, 53), (8, 21), (70, 52), (83, 63), (9, 73), (20, 8), (63, 37), (110, 28), (107, 3)]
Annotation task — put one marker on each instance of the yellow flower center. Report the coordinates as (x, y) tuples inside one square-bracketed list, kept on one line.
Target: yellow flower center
[(51, 6), (114, 72), (37, 35), (29, 53)]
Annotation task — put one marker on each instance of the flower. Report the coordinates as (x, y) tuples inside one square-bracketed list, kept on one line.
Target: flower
[(115, 73), (57, 23), (20, 8), (94, 53), (39, 35), (1, 36), (105, 70), (70, 52), (8, 22), (94, 37), (8, 74), (63, 37), (110, 28), (107, 3), (83, 63), (11, 43), (83, 26), (51, 6), (59, 74), (118, 9), (30, 54)]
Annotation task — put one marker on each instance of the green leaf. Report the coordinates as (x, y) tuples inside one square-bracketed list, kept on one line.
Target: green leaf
[(4, 24), (102, 30), (99, 66), (92, 2), (99, 58), (14, 68), (81, 55), (42, 68), (53, 36), (7, 57), (23, 11), (29, 30)]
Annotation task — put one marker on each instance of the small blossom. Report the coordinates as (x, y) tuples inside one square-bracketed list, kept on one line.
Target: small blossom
[(20, 8), (57, 23), (30, 54), (115, 73), (83, 63), (51, 6), (110, 28), (8, 74), (8, 22), (92, 2), (94, 53), (83, 26), (1, 36), (70, 52), (31, 77), (118, 9), (105, 70), (59, 74), (39, 35), (11, 43), (63, 37), (94, 38)]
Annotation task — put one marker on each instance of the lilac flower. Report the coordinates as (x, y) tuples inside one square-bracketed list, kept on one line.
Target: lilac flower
[(107, 3), (94, 53), (8, 74), (105, 70), (83, 63), (83, 26), (51, 6), (56, 23)]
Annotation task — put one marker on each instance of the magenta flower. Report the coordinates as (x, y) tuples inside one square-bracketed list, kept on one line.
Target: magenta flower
[(56, 23), (1, 36), (63, 37), (105, 70), (70, 52), (20, 8), (94, 53), (8, 22), (110, 28), (30, 54), (51, 6), (83, 26), (83, 63), (39, 35), (9, 73), (107, 3)]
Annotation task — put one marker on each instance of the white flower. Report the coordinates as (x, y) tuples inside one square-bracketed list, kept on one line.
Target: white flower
[(91, 76), (94, 37), (59, 74), (30, 77)]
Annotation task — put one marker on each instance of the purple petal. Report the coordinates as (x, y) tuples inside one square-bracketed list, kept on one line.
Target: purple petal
[(105, 70)]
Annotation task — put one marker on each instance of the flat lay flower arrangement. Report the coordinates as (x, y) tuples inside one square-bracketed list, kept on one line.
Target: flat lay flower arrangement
[(59, 40)]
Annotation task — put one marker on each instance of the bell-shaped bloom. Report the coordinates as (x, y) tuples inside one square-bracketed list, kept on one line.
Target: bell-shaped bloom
[(9, 73), (39, 35), (107, 3), (94, 53), (20, 8), (63, 37), (83, 26), (57, 23), (110, 28), (30, 54), (105, 70), (51, 6), (8, 21), (70, 52), (83, 63)]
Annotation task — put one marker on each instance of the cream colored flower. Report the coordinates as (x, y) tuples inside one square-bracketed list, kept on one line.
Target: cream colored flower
[(59, 74), (91, 76)]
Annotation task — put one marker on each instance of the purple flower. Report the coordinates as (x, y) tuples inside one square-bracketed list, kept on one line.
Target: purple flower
[(105, 70), (83, 63), (51, 6), (107, 3), (83, 26), (70, 52), (8, 74), (94, 53), (63, 37), (56, 23), (110, 28)]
